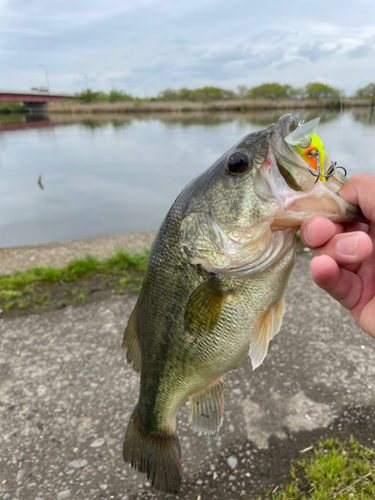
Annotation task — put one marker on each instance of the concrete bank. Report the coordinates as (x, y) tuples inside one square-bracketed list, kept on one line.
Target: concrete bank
[(66, 394), (58, 254)]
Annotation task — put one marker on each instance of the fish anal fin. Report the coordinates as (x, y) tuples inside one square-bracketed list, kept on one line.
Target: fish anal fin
[(204, 308), (130, 343), (269, 326), (207, 407)]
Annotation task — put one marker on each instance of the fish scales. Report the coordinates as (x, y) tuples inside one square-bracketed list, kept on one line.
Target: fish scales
[(213, 289)]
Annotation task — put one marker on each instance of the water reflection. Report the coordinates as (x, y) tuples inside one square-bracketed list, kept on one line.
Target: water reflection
[(365, 116), (185, 119), (199, 118), (19, 121), (113, 174)]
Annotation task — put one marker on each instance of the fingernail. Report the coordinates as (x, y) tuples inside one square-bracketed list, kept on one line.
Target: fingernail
[(348, 246)]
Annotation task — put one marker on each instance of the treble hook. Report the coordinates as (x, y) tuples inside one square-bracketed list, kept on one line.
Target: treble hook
[(318, 173), (335, 167)]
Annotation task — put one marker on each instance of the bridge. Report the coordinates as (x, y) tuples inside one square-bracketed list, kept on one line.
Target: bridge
[(33, 99)]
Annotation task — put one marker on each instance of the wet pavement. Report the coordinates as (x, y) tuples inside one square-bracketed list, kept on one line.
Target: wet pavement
[(67, 393)]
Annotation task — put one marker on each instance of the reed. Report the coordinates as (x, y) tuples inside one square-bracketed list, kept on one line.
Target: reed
[(186, 106)]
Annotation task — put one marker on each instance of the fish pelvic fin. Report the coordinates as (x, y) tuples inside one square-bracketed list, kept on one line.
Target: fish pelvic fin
[(207, 408), (130, 343), (269, 326), (204, 308), (155, 453)]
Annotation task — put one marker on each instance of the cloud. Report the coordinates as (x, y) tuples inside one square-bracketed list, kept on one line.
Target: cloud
[(359, 52), (158, 43), (233, 61), (315, 51), (285, 64), (265, 59), (271, 35)]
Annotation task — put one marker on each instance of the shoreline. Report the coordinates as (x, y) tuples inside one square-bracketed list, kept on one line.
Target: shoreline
[(58, 254), (187, 106)]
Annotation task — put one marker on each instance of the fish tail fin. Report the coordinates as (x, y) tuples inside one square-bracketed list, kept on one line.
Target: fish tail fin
[(155, 453)]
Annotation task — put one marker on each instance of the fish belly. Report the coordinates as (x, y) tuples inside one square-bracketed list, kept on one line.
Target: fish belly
[(191, 367)]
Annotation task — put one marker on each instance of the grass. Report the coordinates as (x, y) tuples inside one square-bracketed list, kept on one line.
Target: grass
[(76, 268), (334, 470), (40, 288)]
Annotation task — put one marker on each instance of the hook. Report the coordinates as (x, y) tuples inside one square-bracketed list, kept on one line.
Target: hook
[(318, 173)]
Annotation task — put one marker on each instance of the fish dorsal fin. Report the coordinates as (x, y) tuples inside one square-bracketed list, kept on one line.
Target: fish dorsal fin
[(204, 308), (268, 328), (207, 407), (130, 343)]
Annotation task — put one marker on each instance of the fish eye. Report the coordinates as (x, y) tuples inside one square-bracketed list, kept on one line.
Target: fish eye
[(238, 163)]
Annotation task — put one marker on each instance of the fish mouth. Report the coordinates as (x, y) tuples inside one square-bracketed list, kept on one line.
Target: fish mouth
[(315, 198)]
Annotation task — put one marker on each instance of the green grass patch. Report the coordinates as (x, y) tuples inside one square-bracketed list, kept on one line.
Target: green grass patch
[(75, 269), (331, 470), (41, 288)]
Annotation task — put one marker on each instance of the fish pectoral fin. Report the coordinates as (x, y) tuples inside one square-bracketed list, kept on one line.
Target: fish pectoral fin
[(130, 343), (207, 407), (204, 308), (268, 328)]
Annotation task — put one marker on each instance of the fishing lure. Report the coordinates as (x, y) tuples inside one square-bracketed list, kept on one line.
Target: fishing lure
[(310, 147)]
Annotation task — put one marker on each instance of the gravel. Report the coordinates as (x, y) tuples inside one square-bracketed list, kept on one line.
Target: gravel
[(66, 395)]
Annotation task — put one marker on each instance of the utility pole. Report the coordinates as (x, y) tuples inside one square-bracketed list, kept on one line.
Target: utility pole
[(46, 72)]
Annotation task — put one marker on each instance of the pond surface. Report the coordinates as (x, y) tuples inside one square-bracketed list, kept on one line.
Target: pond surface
[(120, 174)]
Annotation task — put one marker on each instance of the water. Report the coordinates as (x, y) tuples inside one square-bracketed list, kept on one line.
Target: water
[(120, 174)]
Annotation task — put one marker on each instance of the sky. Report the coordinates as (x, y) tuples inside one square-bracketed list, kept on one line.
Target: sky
[(145, 46)]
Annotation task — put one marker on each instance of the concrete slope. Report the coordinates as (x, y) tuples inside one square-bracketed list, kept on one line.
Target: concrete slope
[(66, 395)]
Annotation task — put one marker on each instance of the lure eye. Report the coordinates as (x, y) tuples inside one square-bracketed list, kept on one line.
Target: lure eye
[(238, 163)]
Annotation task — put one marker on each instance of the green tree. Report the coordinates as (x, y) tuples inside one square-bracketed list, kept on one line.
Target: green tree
[(242, 91), (118, 96), (204, 94), (185, 94), (214, 94), (271, 92), (168, 95), (367, 92), (296, 93), (319, 91), (88, 96)]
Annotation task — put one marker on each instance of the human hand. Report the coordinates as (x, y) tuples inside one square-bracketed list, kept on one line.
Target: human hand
[(343, 261)]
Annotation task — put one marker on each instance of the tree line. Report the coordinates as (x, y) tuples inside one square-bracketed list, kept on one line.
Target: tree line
[(268, 91)]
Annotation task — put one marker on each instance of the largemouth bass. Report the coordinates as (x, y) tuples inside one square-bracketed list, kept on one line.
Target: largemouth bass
[(213, 288)]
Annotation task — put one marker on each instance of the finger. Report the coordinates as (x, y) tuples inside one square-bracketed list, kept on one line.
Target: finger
[(364, 311), (317, 231), (360, 190), (367, 318), (356, 226), (342, 285), (349, 250)]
